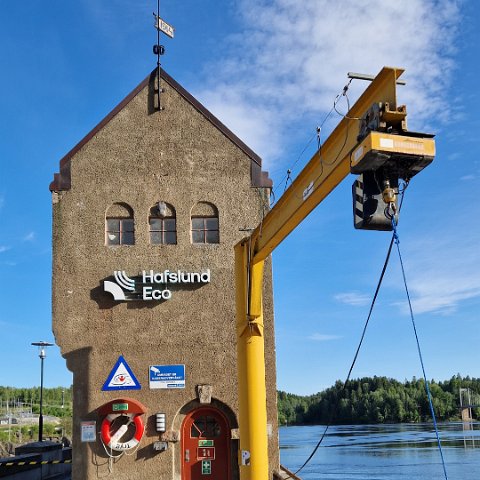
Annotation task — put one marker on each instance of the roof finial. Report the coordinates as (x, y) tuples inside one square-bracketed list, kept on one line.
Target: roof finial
[(158, 49)]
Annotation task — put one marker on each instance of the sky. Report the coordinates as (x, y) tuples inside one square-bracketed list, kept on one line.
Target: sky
[(270, 70)]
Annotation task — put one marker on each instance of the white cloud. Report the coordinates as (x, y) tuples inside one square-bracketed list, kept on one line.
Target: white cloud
[(442, 271), (455, 156), (320, 337), (293, 56), (355, 299), (29, 237), (254, 123), (467, 178), (4, 248)]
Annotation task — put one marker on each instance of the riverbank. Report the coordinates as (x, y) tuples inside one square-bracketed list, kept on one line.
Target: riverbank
[(377, 400)]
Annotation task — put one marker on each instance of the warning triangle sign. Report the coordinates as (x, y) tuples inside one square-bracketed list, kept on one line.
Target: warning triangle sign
[(121, 377)]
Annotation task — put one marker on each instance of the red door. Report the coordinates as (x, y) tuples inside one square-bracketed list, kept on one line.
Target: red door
[(205, 445)]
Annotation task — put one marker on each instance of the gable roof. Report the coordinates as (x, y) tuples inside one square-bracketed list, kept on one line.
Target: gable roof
[(62, 180)]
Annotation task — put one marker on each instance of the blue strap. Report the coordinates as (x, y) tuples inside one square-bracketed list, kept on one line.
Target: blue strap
[(429, 395)]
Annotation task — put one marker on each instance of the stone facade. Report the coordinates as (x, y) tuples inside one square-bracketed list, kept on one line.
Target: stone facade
[(136, 157)]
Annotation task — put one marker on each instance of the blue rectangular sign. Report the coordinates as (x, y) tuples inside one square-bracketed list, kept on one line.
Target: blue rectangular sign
[(167, 376)]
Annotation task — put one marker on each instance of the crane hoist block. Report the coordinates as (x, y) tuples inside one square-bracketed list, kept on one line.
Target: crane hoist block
[(402, 156), (370, 212)]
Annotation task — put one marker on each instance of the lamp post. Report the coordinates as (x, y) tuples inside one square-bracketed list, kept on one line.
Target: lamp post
[(42, 354)]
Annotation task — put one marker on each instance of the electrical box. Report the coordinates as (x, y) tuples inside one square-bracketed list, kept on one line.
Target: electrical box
[(160, 446)]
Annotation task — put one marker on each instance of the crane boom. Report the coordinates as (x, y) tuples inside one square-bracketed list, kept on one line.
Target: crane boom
[(327, 168)]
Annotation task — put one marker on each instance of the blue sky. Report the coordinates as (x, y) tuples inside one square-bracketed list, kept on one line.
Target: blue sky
[(270, 70)]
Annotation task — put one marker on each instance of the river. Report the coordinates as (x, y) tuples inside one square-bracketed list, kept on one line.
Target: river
[(383, 452)]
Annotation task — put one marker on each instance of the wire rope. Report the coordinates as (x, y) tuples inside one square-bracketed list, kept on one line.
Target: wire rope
[(394, 240), (317, 135), (334, 410), (362, 337), (345, 140), (429, 395)]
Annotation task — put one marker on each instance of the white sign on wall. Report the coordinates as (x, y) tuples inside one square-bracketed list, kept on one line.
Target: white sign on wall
[(88, 431), (121, 377), (152, 285), (167, 376)]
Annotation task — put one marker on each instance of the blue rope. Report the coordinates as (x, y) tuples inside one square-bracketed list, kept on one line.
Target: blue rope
[(429, 395)]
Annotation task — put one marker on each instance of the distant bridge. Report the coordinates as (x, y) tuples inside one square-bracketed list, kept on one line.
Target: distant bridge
[(468, 400)]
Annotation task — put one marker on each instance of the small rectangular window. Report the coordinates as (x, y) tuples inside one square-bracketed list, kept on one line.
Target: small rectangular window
[(113, 231), (205, 230), (211, 224), (120, 231), (155, 224), (198, 236), (163, 231), (156, 238), (169, 224), (197, 224), (113, 225), (170, 238), (211, 236), (127, 238)]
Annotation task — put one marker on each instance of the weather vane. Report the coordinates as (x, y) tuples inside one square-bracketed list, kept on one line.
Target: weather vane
[(158, 50)]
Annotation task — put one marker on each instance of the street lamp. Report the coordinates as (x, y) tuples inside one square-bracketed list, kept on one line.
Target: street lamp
[(42, 354)]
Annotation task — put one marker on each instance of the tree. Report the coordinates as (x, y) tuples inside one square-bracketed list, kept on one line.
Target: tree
[(376, 400)]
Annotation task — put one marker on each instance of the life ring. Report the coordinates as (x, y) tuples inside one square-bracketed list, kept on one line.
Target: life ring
[(112, 441)]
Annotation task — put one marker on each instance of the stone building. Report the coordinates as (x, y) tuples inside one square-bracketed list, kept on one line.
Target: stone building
[(146, 192)]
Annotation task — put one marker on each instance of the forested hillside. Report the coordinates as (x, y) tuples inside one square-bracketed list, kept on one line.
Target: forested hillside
[(376, 400), (364, 400)]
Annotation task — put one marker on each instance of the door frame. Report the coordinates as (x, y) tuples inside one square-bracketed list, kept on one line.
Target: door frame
[(216, 411)]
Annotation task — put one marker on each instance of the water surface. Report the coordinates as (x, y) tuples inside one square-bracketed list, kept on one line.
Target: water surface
[(383, 452)]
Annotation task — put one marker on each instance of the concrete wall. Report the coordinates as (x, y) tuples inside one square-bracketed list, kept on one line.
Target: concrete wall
[(26, 464), (140, 157)]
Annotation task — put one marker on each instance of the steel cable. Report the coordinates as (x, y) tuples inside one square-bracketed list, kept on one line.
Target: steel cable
[(429, 395), (362, 337)]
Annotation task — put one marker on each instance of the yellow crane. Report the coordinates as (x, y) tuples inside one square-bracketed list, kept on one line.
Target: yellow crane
[(371, 140)]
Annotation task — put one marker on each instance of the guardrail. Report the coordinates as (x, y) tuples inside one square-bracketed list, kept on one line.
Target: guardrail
[(34, 462)]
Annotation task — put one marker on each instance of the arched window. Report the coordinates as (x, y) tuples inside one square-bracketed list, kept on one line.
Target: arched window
[(205, 223), (163, 224), (119, 225)]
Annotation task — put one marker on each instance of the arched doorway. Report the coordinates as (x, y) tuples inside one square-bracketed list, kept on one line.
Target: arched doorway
[(205, 445)]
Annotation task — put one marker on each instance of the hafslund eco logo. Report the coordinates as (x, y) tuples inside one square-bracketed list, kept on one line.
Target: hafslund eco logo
[(123, 282), (151, 285)]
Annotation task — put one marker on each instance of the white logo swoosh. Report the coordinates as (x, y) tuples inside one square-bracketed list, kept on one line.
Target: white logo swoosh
[(114, 289)]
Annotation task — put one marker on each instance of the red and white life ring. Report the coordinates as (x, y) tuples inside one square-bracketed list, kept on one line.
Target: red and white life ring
[(113, 441)]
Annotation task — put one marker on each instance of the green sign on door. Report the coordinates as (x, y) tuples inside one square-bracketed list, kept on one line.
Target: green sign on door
[(206, 467), (205, 443)]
